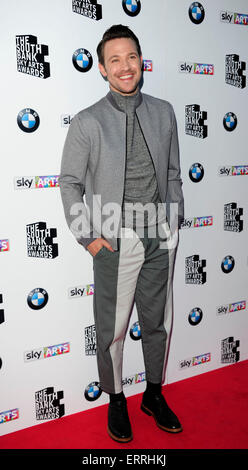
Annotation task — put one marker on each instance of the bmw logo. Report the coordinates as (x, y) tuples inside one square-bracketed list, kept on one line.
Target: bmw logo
[(196, 12), (196, 172), (195, 316), (227, 264), (82, 60), (37, 298), (230, 121), (131, 7), (135, 332), (28, 120), (93, 391)]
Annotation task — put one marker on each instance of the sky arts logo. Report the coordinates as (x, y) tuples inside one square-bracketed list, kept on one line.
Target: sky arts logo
[(46, 352), (147, 65), (88, 8), (194, 222), (10, 415), (232, 17), (4, 245), (66, 119), (28, 120), (30, 56), (131, 7), (82, 60), (92, 391), (80, 291), (195, 68), (36, 182), (195, 361), (196, 13), (234, 170), (230, 308), (134, 379)]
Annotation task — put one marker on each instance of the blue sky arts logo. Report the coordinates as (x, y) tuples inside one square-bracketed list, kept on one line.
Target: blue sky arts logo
[(196, 68), (195, 361), (194, 121), (134, 379), (30, 56), (234, 170), (4, 245), (234, 69), (10, 415), (66, 119), (235, 18), (47, 404), (81, 291), (194, 222), (194, 270), (88, 8), (229, 308), (93, 391), (82, 60), (28, 120), (131, 7), (229, 350), (46, 352), (147, 65), (196, 13), (36, 182)]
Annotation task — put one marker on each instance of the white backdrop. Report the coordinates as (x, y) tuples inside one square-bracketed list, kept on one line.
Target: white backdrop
[(45, 370)]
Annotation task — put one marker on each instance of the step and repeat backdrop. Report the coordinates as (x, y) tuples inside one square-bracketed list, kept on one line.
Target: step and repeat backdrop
[(195, 56)]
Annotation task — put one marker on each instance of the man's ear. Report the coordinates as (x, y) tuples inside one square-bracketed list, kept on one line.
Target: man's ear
[(102, 70)]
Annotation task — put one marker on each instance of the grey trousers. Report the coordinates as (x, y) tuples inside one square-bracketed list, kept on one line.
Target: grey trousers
[(140, 271)]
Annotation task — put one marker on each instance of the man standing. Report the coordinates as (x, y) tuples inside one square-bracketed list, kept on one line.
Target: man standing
[(122, 154)]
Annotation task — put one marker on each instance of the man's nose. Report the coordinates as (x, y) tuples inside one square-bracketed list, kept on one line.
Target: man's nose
[(125, 64)]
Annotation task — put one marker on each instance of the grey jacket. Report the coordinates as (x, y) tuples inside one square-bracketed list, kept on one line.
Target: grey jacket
[(93, 163)]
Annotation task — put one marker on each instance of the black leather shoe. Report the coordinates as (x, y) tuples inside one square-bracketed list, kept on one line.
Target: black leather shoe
[(119, 427), (156, 406)]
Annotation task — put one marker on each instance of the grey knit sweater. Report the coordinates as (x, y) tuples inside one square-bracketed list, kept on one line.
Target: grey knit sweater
[(140, 179)]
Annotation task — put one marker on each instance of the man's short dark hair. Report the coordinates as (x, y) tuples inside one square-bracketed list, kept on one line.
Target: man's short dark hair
[(114, 32)]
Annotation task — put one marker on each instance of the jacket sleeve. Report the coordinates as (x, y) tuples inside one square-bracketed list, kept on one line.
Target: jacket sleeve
[(174, 189), (75, 157)]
